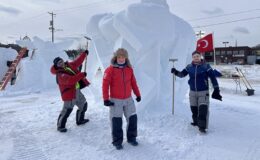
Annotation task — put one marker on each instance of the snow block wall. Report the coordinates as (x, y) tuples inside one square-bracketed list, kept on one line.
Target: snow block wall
[(152, 35)]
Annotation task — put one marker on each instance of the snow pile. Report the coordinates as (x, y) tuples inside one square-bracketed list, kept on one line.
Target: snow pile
[(152, 35)]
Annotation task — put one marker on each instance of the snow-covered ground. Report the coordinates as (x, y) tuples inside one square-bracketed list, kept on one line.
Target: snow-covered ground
[(28, 128)]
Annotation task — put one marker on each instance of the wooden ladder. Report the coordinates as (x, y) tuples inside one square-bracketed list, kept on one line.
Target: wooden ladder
[(11, 69)]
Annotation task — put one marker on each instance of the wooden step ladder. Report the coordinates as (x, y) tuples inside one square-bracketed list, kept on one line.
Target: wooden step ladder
[(11, 69)]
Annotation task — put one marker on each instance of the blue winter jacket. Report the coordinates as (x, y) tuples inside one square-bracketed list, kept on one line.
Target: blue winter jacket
[(199, 74)]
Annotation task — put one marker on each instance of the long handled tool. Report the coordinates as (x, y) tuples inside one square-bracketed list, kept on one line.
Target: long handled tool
[(173, 60), (85, 64), (249, 89)]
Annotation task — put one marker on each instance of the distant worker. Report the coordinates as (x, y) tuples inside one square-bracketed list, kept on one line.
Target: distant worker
[(118, 83), (199, 72), (70, 81)]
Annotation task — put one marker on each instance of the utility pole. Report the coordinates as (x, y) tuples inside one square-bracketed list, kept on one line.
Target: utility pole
[(52, 26), (200, 34)]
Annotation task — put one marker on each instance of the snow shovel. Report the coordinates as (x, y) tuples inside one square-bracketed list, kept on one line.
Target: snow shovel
[(85, 64), (249, 89), (173, 60)]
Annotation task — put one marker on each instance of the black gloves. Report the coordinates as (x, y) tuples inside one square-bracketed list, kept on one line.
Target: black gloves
[(174, 71), (86, 51), (85, 74), (138, 99), (216, 94), (108, 103)]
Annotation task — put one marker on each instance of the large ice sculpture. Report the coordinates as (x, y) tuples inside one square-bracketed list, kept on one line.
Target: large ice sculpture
[(152, 35)]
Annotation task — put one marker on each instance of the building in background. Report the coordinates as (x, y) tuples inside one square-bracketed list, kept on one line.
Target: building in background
[(256, 52), (233, 55)]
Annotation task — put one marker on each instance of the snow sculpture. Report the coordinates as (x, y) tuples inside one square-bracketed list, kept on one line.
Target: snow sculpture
[(35, 74), (152, 35)]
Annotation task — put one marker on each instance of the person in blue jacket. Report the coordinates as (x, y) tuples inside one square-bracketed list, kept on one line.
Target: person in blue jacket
[(199, 72)]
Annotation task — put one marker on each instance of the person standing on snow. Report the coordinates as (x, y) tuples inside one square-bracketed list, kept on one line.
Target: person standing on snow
[(119, 79), (199, 72), (70, 81)]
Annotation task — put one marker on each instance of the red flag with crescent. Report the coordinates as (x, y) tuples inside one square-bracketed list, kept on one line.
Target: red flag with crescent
[(205, 44)]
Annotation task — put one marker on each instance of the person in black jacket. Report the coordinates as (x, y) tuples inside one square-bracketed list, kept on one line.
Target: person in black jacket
[(199, 72)]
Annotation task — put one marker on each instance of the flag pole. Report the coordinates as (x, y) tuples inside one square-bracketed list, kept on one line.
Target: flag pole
[(214, 51)]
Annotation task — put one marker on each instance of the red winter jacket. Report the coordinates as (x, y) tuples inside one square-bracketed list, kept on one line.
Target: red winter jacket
[(67, 80), (120, 82)]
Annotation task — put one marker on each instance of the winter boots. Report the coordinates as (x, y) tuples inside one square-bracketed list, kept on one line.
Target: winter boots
[(62, 120), (193, 124), (117, 132), (202, 130), (62, 129), (194, 110), (133, 142), (118, 146), (132, 130), (82, 122), (80, 115), (199, 117), (203, 116)]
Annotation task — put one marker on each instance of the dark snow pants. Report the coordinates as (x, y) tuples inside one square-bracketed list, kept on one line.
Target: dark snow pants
[(199, 103), (126, 107), (82, 104)]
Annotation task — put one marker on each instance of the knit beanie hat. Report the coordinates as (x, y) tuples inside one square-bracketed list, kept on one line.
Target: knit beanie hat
[(56, 60)]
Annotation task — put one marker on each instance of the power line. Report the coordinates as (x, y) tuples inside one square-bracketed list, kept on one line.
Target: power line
[(89, 6), (221, 23), (95, 5), (79, 6), (64, 11), (228, 14), (25, 19)]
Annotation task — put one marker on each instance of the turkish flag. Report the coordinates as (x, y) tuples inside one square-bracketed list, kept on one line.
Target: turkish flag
[(205, 44)]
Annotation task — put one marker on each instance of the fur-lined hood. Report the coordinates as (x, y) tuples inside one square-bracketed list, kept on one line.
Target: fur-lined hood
[(123, 52)]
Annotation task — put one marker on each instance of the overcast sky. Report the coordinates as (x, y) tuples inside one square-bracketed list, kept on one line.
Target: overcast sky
[(232, 20)]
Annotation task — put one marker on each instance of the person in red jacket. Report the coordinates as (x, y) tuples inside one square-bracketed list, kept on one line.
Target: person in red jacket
[(70, 81), (118, 83)]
